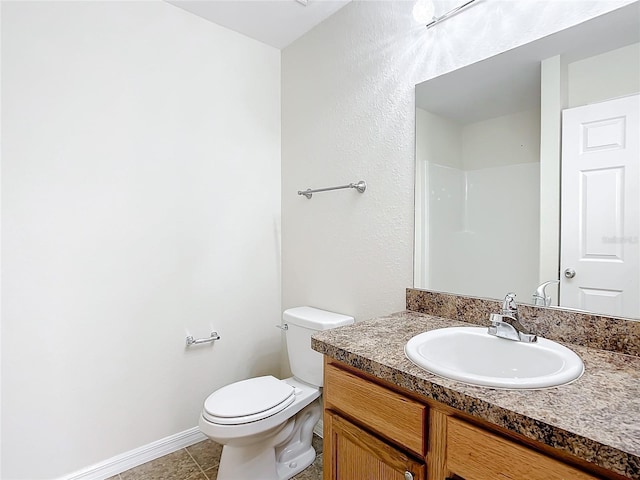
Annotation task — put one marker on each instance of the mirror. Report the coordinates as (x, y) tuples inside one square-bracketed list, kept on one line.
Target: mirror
[(493, 146)]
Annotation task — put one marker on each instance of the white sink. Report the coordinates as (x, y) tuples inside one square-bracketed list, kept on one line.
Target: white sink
[(471, 355)]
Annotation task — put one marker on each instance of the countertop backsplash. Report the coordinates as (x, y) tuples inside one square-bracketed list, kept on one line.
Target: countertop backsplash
[(590, 330)]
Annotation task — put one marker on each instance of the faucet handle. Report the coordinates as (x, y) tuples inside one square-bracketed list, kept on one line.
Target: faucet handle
[(509, 304)]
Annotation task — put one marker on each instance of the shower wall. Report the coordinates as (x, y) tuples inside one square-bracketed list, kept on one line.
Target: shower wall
[(482, 239), (482, 205)]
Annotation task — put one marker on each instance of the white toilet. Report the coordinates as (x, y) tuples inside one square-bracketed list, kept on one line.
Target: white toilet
[(264, 424)]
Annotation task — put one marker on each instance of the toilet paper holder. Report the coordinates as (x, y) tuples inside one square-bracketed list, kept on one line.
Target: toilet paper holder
[(199, 341)]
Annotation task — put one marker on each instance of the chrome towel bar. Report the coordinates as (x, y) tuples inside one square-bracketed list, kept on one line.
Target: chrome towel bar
[(361, 186), (192, 341)]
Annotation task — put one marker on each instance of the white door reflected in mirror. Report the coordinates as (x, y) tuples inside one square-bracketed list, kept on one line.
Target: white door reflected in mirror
[(601, 207)]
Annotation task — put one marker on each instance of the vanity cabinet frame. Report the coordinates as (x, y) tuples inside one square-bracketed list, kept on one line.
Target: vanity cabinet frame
[(366, 417)]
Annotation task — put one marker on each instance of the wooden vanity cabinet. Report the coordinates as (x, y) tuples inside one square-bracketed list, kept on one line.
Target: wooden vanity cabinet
[(370, 432), (376, 432)]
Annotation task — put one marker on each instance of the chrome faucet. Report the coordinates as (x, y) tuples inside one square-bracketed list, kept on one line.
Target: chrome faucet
[(507, 324)]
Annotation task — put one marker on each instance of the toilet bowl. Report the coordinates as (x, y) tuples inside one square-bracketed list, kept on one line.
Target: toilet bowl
[(252, 439), (265, 424)]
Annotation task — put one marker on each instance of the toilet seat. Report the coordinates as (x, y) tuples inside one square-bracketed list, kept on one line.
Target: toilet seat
[(248, 401)]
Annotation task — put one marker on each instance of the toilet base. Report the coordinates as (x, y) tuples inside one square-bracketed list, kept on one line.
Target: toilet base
[(287, 453), (251, 461), (292, 468)]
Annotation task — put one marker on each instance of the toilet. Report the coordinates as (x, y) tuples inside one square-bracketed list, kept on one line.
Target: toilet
[(265, 424)]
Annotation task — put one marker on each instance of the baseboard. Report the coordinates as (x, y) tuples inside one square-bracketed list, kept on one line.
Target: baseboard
[(138, 456)]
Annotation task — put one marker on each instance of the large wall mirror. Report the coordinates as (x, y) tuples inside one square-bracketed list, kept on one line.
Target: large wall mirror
[(527, 172)]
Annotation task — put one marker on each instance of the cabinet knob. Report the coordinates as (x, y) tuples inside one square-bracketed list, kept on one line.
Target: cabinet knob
[(408, 475)]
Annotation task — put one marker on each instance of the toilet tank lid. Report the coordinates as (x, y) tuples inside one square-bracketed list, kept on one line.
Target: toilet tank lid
[(315, 319)]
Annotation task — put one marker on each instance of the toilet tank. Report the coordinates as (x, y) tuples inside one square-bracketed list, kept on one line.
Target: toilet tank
[(302, 322)]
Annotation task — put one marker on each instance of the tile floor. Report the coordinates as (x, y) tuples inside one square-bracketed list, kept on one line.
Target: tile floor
[(200, 462)]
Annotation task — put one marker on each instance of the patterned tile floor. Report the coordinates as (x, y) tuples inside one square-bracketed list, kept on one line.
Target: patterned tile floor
[(200, 462)]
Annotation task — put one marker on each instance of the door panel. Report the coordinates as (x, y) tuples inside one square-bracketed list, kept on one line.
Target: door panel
[(356, 454), (601, 207)]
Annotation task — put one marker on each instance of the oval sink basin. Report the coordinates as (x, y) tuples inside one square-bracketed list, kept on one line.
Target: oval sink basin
[(471, 355)]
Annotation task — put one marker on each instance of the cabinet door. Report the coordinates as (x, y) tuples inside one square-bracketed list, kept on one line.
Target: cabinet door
[(351, 453)]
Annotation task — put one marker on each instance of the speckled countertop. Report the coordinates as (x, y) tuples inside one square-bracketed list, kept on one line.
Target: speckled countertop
[(596, 418)]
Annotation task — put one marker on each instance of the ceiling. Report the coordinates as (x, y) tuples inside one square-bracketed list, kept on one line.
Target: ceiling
[(274, 22)]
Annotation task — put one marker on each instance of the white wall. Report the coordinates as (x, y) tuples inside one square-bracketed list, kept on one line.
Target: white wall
[(348, 113), (507, 140), (438, 140), (336, 92), (592, 79), (141, 201)]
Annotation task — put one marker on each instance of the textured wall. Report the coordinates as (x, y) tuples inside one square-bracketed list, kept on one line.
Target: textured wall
[(348, 114), (140, 202)]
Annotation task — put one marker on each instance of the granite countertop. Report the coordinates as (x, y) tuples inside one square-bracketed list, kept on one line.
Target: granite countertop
[(596, 418)]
